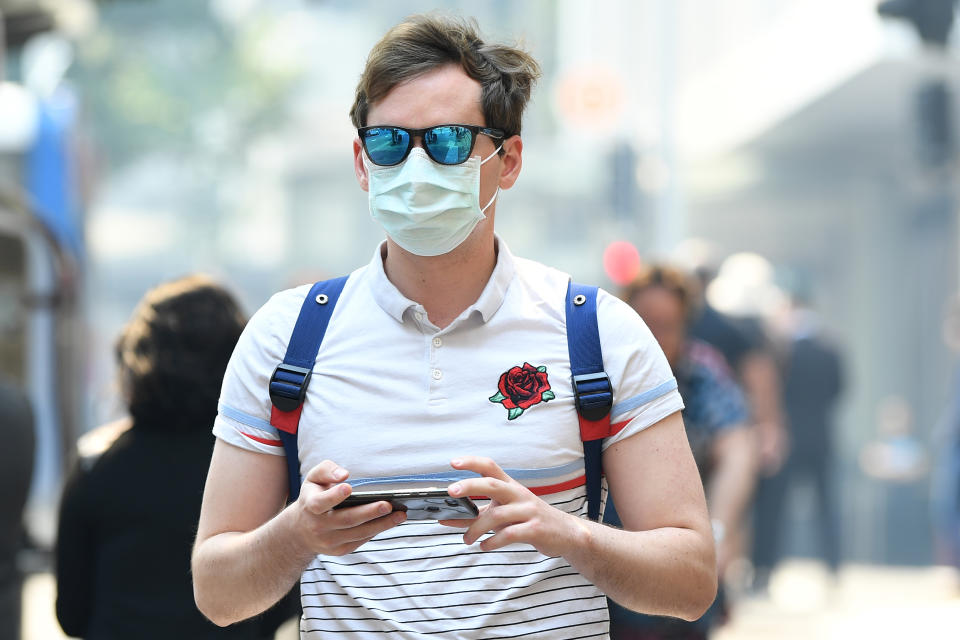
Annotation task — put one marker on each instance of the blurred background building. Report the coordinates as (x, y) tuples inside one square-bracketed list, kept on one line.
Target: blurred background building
[(144, 139)]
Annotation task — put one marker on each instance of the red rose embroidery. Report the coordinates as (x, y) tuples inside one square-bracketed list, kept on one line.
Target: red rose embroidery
[(522, 387)]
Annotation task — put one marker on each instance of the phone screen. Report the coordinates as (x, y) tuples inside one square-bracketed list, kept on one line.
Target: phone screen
[(420, 504)]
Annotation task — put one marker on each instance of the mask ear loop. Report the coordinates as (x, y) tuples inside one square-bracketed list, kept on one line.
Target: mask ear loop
[(487, 206), (495, 193), (495, 152)]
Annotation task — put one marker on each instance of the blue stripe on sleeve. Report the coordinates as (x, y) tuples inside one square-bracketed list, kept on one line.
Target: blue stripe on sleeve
[(250, 421), (647, 396)]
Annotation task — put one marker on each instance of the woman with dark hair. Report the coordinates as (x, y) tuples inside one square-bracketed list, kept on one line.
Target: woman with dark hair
[(130, 506)]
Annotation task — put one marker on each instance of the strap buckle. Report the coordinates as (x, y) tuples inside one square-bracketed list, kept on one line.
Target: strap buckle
[(288, 386), (594, 395)]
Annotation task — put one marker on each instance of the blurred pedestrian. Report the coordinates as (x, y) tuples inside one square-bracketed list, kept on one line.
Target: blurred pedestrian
[(716, 420), (742, 285), (812, 375), (16, 470), (129, 509)]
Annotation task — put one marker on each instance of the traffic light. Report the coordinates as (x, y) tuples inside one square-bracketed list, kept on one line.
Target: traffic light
[(932, 19)]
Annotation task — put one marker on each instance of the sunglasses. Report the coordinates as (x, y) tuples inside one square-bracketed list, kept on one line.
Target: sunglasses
[(445, 143)]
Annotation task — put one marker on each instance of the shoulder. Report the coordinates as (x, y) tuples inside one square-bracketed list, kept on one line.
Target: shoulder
[(279, 313), (541, 281), (621, 326), (93, 444), (268, 331), (550, 284)]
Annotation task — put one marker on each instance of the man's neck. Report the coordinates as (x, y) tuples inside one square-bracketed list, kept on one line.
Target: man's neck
[(445, 285)]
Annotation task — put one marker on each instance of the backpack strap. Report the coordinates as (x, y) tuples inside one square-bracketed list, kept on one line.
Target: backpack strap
[(591, 385), (288, 384)]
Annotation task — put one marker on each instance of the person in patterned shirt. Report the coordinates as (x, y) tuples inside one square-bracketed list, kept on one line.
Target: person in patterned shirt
[(716, 419)]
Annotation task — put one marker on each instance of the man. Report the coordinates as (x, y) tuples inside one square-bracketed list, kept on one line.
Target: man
[(812, 373), (716, 420), (744, 345), (414, 377)]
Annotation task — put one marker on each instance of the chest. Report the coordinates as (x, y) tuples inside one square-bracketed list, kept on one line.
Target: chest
[(399, 399)]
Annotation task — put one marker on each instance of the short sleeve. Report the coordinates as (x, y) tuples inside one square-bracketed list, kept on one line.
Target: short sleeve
[(716, 401), (644, 387), (243, 413)]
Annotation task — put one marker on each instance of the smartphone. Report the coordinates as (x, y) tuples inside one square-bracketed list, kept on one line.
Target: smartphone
[(420, 504)]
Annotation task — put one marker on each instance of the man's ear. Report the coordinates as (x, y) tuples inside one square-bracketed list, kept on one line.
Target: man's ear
[(361, 171), (511, 161)]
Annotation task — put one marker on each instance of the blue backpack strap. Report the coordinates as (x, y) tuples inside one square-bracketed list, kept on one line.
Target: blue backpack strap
[(288, 384), (591, 385)]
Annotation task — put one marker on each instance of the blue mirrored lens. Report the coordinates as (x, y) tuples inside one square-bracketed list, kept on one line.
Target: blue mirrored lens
[(386, 145), (448, 144)]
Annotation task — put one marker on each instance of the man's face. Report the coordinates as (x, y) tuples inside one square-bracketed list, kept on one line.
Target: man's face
[(662, 310), (446, 95)]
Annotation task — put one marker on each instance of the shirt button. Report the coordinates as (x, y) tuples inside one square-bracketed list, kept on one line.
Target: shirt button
[(437, 342), (437, 374)]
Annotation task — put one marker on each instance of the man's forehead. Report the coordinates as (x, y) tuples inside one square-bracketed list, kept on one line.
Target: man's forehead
[(440, 96)]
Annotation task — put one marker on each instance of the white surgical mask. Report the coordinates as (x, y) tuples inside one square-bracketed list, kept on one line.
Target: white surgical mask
[(425, 207)]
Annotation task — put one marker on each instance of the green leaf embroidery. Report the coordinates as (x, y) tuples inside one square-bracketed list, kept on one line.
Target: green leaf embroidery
[(547, 395), (542, 369), (499, 397), (514, 413)]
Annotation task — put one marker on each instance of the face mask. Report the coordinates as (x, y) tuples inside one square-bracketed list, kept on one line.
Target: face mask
[(427, 208)]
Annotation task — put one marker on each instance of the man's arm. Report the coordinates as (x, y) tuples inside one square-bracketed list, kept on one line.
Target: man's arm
[(250, 550), (761, 383), (663, 561)]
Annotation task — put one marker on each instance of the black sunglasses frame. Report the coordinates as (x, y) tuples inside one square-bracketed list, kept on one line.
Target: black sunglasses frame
[(496, 134)]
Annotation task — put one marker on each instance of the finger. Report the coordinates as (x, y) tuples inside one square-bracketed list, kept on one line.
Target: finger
[(326, 473), (483, 466), (363, 534), (466, 522), (344, 549), (318, 501), (493, 520), (368, 530), (349, 517), (493, 488), (458, 524), (508, 535)]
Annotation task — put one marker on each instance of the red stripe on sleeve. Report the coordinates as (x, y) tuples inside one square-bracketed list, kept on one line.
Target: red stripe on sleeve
[(618, 427), (272, 443)]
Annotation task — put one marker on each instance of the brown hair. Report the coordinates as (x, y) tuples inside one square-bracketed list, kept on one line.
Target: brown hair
[(422, 43), (666, 277), (173, 352)]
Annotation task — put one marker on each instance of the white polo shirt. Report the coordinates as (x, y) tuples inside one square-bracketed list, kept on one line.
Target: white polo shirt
[(393, 399)]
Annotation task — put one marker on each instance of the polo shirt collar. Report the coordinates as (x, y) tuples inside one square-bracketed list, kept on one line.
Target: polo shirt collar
[(491, 298)]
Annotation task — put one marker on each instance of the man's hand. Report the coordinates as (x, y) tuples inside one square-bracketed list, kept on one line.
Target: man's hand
[(250, 549), (514, 514), (324, 530), (773, 447)]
